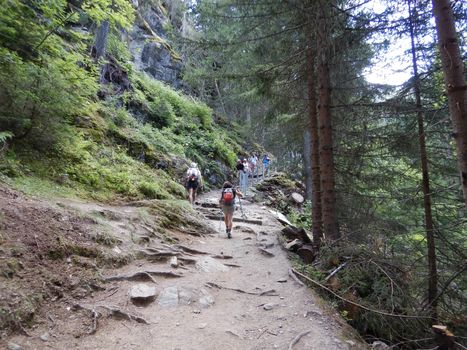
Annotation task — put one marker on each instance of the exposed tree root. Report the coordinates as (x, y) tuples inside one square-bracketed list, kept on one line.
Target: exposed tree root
[(138, 276), (188, 261), (114, 312), (295, 278), (143, 275), (189, 250), (232, 265), (271, 292), (152, 231), (265, 252), (222, 256), (297, 339), (154, 254)]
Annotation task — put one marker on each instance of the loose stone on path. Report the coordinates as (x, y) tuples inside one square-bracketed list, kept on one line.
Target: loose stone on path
[(142, 293), (208, 264), (168, 297)]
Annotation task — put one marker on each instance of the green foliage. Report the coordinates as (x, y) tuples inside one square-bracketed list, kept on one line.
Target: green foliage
[(117, 48), (119, 13), (37, 100), (57, 128), (302, 218), (5, 135)]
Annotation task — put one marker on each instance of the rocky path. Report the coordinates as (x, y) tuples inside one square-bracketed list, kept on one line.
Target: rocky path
[(228, 294)]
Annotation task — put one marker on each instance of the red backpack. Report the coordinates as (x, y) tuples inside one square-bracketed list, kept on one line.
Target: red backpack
[(228, 196)]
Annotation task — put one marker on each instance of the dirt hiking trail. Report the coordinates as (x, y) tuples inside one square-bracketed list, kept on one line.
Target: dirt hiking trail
[(219, 293)]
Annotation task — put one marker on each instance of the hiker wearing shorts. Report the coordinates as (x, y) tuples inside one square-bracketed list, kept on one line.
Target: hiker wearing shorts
[(193, 181), (227, 204)]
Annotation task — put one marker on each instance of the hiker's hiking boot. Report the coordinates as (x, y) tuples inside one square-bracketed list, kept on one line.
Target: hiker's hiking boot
[(228, 233)]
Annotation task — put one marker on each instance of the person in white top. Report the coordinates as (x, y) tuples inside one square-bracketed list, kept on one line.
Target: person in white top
[(193, 181)]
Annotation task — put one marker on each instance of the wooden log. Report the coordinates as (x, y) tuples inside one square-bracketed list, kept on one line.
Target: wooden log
[(307, 253), (293, 245), (443, 337), (293, 232)]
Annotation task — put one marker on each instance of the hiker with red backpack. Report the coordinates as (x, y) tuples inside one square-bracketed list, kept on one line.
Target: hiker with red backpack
[(227, 203), (193, 181)]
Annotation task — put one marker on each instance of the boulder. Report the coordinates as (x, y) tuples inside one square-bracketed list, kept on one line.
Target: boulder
[(208, 264), (142, 293)]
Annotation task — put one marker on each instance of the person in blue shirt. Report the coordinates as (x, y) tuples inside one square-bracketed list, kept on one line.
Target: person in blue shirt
[(266, 161)]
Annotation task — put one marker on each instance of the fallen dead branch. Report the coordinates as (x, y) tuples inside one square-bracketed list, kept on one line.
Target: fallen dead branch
[(354, 303), (297, 339), (271, 292), (295, 278), (336, 270)]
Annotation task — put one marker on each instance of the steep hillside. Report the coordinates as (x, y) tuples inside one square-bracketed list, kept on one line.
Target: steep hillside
[(111, 128), (103, 128)]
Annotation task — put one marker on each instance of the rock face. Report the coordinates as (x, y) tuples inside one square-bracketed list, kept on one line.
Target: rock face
[(157, 61), (149, 55)]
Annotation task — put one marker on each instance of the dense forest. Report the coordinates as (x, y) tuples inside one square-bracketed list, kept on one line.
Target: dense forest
[(111, 100)]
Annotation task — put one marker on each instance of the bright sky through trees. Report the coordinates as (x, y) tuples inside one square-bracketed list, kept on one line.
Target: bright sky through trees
[(393, 66)]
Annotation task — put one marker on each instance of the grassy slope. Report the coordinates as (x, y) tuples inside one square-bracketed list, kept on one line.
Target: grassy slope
[(68, 142), (134, 144)]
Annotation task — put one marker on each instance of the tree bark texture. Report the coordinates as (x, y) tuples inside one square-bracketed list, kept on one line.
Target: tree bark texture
[(328, 195), (317, 222), (307, 163), (454, 81), (429, 227)]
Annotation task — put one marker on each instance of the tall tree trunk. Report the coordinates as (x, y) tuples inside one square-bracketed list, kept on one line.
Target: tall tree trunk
[(316, 209), (429, 227), (454, 80), (101, 40), (307, 162), (328, 195)]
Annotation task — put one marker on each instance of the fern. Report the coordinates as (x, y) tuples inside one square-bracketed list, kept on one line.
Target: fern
[(4, 136)]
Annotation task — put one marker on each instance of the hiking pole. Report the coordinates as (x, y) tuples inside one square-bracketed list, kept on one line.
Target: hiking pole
[(241, 208), (220, 220)]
